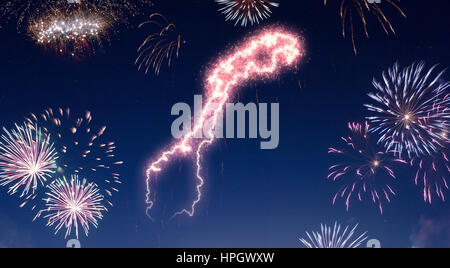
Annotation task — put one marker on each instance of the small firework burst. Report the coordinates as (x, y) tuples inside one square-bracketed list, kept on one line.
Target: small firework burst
[(365, 169), (408, 118), (329, 237), (160, 46), (73, 204), (83, 148), (363, 8), (246, 11), (27, 160)]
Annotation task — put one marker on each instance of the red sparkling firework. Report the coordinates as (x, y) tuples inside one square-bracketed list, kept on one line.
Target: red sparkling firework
[(262, 56)]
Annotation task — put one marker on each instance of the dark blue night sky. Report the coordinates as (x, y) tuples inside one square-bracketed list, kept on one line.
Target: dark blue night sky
[(260, 198)]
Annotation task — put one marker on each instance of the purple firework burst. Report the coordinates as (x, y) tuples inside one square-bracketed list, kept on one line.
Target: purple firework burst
[(363, 168)]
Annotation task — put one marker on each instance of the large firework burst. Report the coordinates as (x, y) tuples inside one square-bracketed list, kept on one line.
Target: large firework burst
[(83, 147), (74, 203), (246, 11), (365, 169), (159, 46), (27, 160), (408, 118), (334, 238), (363, 9)]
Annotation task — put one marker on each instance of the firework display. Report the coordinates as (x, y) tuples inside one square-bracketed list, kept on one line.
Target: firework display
[(336, 237), (162, 45), (73, 204), (279, 49), (83, 148), (61, 169), (27, 160), (365, 168), (363, 9), (246, 12), (407, 114)]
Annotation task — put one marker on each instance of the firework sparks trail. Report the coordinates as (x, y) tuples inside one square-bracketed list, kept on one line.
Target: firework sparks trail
[(432, 173), (433, 170), (246, 11), (334, 238), (23, 10), (27, 159), (363, 8), (83, 147), (263, 56), (159, 46), (74, 203), (366, 169), (407, 114)]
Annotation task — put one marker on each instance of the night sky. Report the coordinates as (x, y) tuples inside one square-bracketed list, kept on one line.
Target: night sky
[(259, 198)]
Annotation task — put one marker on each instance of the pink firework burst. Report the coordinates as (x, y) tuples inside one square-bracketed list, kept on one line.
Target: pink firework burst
[(262, 56), (365, 169), (27, 160), (74, 203)]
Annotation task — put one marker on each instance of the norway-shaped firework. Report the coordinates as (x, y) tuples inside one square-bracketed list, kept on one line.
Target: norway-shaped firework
[(261, 56)]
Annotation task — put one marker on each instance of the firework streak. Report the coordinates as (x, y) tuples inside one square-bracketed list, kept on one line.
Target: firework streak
[(262, 56)]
